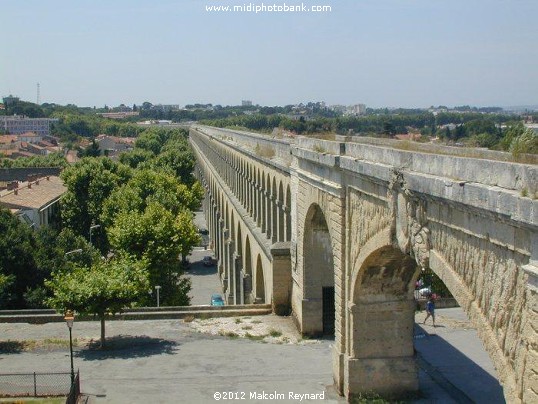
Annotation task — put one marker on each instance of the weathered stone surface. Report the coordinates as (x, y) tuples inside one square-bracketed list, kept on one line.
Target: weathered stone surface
[(364, 217)]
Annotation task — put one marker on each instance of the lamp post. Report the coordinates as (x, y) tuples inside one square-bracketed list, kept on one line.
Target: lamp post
[(69, 319), (95, 226), (157, 288)]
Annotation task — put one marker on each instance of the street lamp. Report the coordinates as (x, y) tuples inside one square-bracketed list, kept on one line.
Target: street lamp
[(157, 288), (95, 226), (69, 319)]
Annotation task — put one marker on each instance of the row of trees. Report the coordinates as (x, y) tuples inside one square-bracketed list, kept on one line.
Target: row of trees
[(143, 206), (474, 129)]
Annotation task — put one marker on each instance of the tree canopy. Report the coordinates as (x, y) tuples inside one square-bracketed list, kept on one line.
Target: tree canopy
[(105, 287)]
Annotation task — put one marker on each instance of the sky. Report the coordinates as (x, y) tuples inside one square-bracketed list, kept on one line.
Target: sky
[(383, 53)]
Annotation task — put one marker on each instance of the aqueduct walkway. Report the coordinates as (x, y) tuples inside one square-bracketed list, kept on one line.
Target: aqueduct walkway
[(338, 231)]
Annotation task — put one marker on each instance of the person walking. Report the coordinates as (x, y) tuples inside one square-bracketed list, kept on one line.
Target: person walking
[(430, 310)]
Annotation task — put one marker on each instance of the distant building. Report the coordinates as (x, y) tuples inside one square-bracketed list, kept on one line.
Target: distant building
[(17, 125), (166, 107), (35, 202), (118, 115), (10, 100), (533, 126), (30, 137), (113, 145), (358, 109), (246, 103), (25, 174)]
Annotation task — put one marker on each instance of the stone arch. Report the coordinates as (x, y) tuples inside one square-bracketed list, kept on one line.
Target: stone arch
[(274, 213), (488, 337), (247, 265), (318, 273), (288, 213), (260, 281), (381, 311), (281, 229), (263, 219), (268, 211)]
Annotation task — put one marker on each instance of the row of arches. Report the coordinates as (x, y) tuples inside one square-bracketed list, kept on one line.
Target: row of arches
[(243, 268), (262, 190)]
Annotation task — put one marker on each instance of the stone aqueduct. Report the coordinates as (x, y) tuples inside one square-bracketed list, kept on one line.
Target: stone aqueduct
[(337, 232)]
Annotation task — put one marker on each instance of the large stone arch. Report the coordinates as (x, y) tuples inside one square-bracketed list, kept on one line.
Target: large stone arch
[(318, 267), (260, 281), (380, 314)]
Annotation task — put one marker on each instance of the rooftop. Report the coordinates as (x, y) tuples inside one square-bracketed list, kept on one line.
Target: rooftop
[(34, 195)]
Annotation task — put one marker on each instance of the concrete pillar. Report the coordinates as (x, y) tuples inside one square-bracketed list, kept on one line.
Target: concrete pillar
[(281, 287)]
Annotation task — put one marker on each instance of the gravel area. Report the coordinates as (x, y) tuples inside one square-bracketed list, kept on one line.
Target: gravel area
[(268, 329)]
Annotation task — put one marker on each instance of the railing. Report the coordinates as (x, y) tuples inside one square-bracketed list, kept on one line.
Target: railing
[(36, 384)]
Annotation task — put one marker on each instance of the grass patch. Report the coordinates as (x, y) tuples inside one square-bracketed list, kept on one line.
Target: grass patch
[(256, 322), (274, 333), (59, 342), (229, 334), (246, 327), (254, 337), (238, 321), (36, 400)]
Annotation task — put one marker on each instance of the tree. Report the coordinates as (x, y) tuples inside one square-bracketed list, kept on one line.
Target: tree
[(146, 186), (89, 182), (91, 151), (158, 237), (19, 268), (106, 287)]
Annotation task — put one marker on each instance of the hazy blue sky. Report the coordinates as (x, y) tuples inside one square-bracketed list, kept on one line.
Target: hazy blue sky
[(378, 52)]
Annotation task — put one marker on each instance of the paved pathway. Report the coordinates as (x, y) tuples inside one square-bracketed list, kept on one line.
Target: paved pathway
[(205, 281)]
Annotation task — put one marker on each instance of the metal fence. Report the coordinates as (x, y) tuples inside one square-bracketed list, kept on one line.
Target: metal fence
[(35, 384)]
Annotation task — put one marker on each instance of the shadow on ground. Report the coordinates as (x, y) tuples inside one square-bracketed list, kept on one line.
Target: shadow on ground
[(200, 269), (454, 371), (127, 346), (10, 347)]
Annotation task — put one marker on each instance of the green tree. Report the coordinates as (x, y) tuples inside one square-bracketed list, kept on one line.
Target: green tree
[(106, 287), (146, 186), (91, 151), (19, 268), (89, 182), (158, 237)]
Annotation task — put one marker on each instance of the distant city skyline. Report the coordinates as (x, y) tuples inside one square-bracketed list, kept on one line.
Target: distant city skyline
[(392, 53)]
